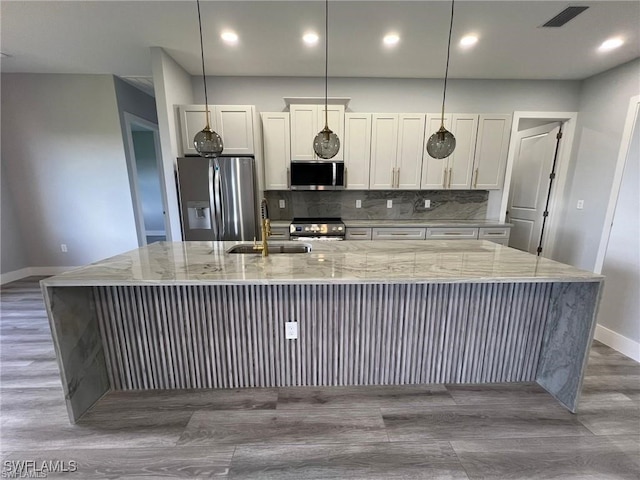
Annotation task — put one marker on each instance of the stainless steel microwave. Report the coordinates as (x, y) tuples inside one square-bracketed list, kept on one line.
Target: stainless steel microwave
[(317, 175)]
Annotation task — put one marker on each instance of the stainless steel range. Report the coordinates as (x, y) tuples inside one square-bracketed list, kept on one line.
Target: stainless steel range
[(317, 229)]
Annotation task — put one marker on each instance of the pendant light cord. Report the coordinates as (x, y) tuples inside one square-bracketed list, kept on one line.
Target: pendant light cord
[(204, 78), (446, 72), (326, 63)]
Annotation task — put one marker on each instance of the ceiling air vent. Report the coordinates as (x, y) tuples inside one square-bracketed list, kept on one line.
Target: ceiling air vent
[(564, 16)]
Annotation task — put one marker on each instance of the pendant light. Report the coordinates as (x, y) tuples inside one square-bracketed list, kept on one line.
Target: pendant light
[(207, 142), (326, 144), (442, 143)]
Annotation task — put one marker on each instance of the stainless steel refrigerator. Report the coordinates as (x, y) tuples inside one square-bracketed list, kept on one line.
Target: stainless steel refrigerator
[(218, 198)]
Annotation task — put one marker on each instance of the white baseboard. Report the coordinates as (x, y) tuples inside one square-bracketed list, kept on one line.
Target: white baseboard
[(32, 272), (622, 344)]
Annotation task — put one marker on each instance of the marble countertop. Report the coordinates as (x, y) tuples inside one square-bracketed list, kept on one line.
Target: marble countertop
[(409, 223), (435, 261)]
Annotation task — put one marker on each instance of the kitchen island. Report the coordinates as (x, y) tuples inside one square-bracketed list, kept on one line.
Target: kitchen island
[(192, 315)]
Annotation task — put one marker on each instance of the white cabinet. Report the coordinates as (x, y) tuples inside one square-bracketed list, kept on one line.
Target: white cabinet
[(455, 171), (234, 123), (397, 141), (452, 233), (276, 149), (357, 233), (398, 233), (495, 234), (307, 121), (491, 152), (357, 151)]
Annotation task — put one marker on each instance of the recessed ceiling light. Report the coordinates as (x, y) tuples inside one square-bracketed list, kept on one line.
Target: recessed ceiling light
[(468, 41), (229, 37), (310, 38), (391, 39), (610, 44)]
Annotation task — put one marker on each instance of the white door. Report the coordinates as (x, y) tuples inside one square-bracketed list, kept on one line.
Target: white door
[(384, 143), (410, 147), (434, 170), (304, 128), (465, 128), (335, 116), (491, 152), (532, 166), (234, 123)]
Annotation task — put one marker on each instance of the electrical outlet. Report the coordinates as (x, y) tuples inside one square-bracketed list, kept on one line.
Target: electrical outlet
[(389, 203), (291, 330), (580, 204), (427, 204), (281, 203), (358, 203), (63, 247)]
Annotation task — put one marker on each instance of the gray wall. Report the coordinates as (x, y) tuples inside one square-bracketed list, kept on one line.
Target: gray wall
[(148, 180), (604, 100), (14, 255), (66, 168), (395, 94)]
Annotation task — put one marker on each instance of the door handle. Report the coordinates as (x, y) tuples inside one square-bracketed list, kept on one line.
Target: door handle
[(398, 178), (345, 177), (444, 178), (475, 178), (288, 178), (450, 175), (393, 177)]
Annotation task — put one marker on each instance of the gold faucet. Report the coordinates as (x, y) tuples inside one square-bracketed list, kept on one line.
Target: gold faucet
[(266, 229)]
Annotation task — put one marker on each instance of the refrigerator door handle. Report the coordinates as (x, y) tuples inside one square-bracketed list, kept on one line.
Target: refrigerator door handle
[(220, 202), (213, 206)]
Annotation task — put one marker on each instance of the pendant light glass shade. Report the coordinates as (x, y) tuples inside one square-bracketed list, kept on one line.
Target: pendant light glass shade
[(326, 144), (206, 142), (442, 143)]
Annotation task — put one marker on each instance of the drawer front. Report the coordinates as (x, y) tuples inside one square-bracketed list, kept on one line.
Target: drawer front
[(489, 233), (358, 234), (279, 233), (439, 233), (398, 233), (501, 241)]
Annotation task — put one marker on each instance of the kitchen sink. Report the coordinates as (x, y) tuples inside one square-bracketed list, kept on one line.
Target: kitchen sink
[(273, 248)]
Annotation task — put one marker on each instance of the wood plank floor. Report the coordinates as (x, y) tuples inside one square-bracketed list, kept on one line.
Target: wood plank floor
[(398, 432)]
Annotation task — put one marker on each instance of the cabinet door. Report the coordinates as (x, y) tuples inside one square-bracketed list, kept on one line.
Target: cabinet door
[(465, 129), (409, 153), (491, 152), (304, 128), (335, 114), (384, 142), (357, 233), (234, 123), (357, 150), (434, 171), (193, 120), (277, 153)]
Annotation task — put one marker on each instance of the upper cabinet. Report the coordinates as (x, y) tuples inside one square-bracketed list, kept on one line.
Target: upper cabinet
[(234, 123), (357, 150), (306, 122), (276, 149), (396, 151), (491, 152), (480, 157), (455, 171)]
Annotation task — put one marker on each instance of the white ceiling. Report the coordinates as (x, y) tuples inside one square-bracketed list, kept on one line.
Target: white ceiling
[(114, 37)]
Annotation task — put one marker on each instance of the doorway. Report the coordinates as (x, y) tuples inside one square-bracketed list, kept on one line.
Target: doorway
[(149, 201), (535, 178)]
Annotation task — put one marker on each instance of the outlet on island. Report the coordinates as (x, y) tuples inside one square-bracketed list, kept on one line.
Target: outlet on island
[(63, 247), (291, 330)]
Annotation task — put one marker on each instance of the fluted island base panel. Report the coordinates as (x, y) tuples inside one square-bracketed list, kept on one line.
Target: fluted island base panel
[(230, 336)]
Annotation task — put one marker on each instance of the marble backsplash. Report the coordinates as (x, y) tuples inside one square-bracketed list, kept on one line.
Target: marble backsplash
[(407, 204)]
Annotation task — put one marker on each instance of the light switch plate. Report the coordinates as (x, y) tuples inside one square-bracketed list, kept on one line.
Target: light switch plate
[(427, 204), (291, 330), (281, 203), (358, 203), (389, 203)]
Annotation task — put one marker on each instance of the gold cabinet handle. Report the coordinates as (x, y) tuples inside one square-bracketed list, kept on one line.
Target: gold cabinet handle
[(475, 178), (444, 179), (393, 177), (345, 177), (288, 178), (398, 178), (450, 175)]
